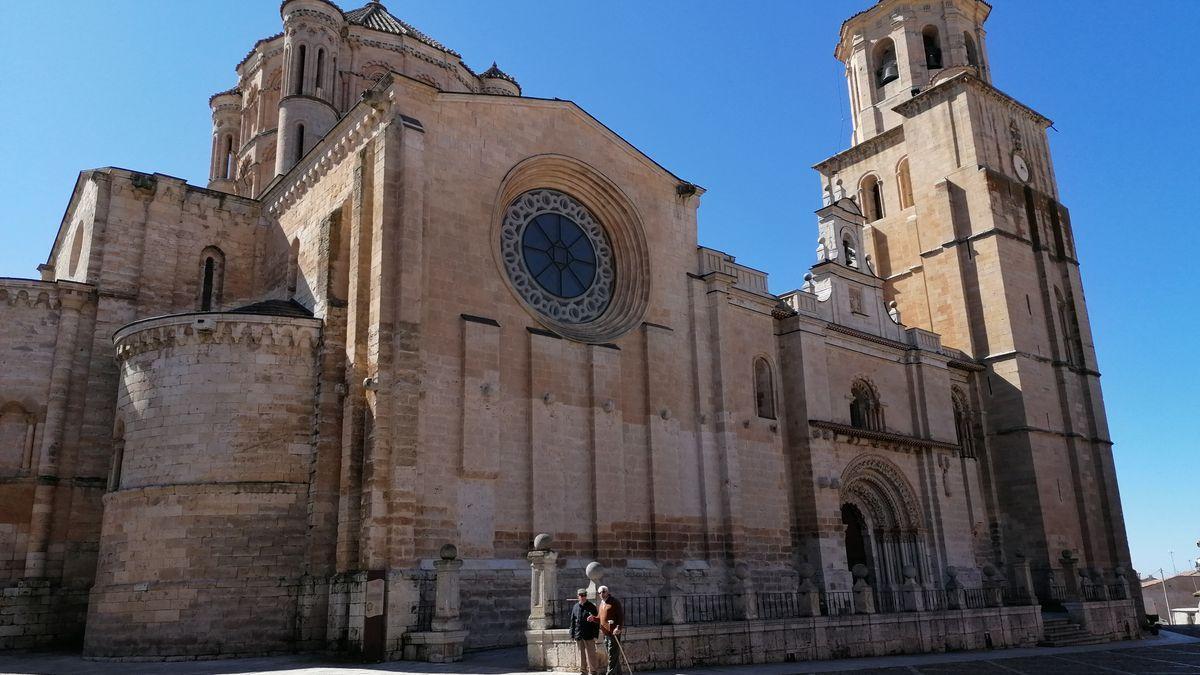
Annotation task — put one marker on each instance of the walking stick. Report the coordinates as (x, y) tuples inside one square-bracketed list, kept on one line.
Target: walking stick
[(621, 651)]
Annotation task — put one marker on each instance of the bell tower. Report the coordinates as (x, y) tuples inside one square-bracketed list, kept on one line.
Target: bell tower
[(898, 48), (964, 226)]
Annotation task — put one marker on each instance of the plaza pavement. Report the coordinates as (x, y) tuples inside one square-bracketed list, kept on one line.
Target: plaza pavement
[(1169, 652)]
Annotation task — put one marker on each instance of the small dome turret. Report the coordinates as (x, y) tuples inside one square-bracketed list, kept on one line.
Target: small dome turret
[(496, 81), (226, 109)]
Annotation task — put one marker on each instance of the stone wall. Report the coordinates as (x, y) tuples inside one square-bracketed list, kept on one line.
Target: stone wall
[(203, 538), (787, 640)]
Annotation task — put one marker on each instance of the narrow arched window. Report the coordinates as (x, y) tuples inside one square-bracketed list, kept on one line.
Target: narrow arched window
[(298, 84), (851, 252), (118, 456), (17, 429), (212, 272), (320, 74), (886, 68), (904, 184), (964, 423), (764, 389), (972, 54), (299, 142), (228, 158), (76, 249), (865, 410), (933, 47), (207, 285), (871, 195), (293, 265)]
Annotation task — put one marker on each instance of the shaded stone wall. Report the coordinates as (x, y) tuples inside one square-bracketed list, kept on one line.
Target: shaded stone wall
[(202, 547)]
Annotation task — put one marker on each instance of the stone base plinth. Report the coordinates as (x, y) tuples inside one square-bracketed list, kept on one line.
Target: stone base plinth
[(435, 646)]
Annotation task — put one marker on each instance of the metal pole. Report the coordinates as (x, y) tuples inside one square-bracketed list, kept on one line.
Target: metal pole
[(1163, 574)]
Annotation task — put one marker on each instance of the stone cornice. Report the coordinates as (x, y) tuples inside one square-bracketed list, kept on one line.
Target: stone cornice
[(876, 439), (250, 330), (867, 148), (942, 90), (31, 293), (350, 133)]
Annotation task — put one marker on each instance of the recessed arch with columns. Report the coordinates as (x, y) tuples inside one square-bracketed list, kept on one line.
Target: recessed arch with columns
[(894, 528)]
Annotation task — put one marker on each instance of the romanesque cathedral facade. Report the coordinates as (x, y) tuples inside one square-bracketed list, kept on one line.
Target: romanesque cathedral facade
[(413, 307)]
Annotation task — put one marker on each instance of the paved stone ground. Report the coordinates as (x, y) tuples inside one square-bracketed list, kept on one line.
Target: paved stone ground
[(1170, 652)]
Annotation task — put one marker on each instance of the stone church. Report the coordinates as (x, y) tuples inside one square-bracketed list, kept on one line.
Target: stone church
[(414, 307)]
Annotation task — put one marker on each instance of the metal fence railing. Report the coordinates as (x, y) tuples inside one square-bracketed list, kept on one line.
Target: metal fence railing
[(837, 603), (975, 598), (424, 617), (654, 610), (707, 608)]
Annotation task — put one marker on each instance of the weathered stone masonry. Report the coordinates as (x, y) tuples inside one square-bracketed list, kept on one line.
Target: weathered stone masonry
[(414, 307)]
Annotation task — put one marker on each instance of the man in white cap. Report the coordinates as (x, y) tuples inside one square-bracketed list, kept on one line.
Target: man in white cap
[(612, 622)]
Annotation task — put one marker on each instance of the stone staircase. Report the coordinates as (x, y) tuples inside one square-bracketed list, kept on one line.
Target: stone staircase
[(1061, 632)]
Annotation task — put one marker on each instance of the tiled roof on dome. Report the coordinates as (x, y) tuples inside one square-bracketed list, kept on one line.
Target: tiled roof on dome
[(495, 72), (376, 17), (228, 92), (275, 308)]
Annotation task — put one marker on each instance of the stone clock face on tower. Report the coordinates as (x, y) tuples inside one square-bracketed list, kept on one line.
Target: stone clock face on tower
[(557, 256), (1020, 167)]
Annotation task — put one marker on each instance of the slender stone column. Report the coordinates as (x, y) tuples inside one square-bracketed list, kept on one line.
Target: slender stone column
[(56, 412), (1070, 575), (993, 586), (1122, 583), (1023, 578), (956, 598), (544, 584), (864, 598), (447, 597), (912, 596), (808, 597), (671, 596), (748, 599)]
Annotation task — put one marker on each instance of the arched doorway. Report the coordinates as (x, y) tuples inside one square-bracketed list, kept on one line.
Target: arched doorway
[(858, 544), (884, 529)]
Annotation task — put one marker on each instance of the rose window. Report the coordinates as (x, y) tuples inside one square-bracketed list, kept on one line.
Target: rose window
[(557, 256)]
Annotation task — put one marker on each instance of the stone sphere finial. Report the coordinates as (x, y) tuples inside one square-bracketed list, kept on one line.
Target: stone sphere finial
[(542, 542), (1067, 556), (909, 572), (989, 570), (448, 552), (741, 571), (594, 571), (860, 571), (669, 571), (952, 572)]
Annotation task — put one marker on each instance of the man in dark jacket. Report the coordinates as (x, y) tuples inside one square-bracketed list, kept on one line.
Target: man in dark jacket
[(612, 622), (585, 628)]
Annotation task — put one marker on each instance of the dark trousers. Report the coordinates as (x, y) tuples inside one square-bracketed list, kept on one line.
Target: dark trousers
[(614, 655)]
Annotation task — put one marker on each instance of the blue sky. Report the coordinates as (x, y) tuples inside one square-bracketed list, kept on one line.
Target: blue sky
[(741, 98)]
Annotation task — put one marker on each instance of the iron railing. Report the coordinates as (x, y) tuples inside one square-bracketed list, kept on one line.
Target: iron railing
[(837, 603), (653, 610), (708, 608), (424, 617)]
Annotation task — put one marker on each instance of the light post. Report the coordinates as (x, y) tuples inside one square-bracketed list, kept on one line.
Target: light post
[(1163, 575)]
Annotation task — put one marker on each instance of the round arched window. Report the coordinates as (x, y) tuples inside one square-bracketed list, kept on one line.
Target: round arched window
[(558, 256)]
